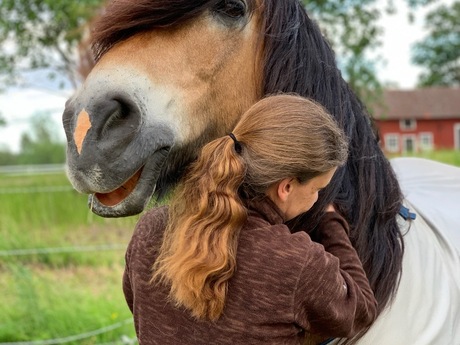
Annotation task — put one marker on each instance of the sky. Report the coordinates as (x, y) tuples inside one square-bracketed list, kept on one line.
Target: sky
[(18, 105)]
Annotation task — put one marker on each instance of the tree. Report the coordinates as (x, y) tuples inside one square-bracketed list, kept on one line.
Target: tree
[(37, 34), (7, 157), (352, 29), (41, 145), (439, 52)]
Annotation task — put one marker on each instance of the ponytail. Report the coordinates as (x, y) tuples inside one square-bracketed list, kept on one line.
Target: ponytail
[(198, 254)]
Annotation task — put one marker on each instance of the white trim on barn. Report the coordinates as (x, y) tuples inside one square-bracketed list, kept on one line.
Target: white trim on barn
[(392, 142), (457, 136), (425, 141), (408, 124)]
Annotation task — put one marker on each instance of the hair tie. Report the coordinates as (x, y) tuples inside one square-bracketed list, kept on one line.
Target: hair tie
[(238, 147)]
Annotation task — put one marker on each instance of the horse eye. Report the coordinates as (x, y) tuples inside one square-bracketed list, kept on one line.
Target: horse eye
[(232, 8)]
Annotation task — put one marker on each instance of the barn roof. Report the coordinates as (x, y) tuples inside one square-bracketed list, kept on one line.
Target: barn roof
[(428, 103)]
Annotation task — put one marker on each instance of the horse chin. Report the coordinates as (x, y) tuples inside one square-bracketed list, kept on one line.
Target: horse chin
[(133, 195)]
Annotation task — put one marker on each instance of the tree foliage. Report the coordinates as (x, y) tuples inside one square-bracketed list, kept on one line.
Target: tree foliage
[(7, 157), (41, 145), (37, 34), (439, 52), (352, 28)]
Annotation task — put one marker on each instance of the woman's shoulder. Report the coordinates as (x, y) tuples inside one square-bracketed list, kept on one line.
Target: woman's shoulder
[(154, 217), (150, 227)]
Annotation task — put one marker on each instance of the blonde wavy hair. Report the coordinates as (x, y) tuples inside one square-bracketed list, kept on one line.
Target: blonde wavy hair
[(280, 136)]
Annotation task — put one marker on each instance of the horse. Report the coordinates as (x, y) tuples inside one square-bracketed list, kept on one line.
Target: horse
[(171, 75)]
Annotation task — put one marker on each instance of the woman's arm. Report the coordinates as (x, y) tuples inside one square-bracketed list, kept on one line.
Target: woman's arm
[(333, 296)]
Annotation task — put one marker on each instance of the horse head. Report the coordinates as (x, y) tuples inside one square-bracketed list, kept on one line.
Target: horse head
[(157, 95)]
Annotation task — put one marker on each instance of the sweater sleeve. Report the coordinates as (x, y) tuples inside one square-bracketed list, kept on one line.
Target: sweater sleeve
[(333, 297)]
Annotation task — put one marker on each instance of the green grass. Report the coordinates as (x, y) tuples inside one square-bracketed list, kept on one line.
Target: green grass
[(26, 201), (41, 219), (41, 303), (57, 295), (451, 157)]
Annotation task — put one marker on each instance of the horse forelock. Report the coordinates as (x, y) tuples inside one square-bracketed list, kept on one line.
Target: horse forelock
[(122, 19), (299, 59)]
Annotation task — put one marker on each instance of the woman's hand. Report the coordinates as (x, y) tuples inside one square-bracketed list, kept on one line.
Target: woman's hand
[(330, 208)]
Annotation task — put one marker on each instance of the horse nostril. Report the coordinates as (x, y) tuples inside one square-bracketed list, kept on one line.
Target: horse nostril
[(116, 124), (112, 122), (121, 116)]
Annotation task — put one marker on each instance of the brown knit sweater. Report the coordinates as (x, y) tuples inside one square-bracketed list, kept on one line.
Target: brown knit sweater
[(285, 285)]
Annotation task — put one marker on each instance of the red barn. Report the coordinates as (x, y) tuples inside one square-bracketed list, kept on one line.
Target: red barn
[(420, 119)]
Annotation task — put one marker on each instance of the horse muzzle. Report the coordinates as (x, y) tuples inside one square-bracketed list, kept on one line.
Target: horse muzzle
[(112, 155)]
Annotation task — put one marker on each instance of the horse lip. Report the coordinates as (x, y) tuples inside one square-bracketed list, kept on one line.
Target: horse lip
[(117, 195), (135, 199)]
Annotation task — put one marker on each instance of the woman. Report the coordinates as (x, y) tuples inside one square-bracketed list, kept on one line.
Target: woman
[(220, 267)]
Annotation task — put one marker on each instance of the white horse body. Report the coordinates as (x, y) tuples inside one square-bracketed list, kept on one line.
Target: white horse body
[(426, 309)]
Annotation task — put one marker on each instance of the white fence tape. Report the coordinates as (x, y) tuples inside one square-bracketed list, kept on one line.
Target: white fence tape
[(75, 337), (31, 190), (18, 170), (56, 250)]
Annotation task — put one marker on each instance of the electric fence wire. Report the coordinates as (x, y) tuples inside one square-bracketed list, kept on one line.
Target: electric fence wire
[(58, 250), (75, 337)]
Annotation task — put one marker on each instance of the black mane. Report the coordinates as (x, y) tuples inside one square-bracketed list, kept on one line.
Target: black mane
[(299, 59)]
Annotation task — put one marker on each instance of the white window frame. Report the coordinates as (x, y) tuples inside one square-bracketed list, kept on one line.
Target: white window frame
[(426, 146), (412, 124), (403, 142), (392, 148), (457, 136)]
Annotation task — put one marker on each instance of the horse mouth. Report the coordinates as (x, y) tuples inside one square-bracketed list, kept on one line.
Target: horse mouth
[(133, 195), (121, 193)]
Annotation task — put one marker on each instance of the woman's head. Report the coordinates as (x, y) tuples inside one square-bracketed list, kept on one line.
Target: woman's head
[(288, 136)]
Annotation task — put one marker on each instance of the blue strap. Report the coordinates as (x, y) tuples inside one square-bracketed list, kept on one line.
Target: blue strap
[(406, 214), (327, 341)]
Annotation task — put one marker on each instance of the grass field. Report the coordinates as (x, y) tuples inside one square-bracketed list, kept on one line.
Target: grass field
[(451, 157), (48, 295)]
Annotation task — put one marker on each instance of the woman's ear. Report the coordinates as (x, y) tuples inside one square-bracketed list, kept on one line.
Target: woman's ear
[(284, 189), (280, 193)]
